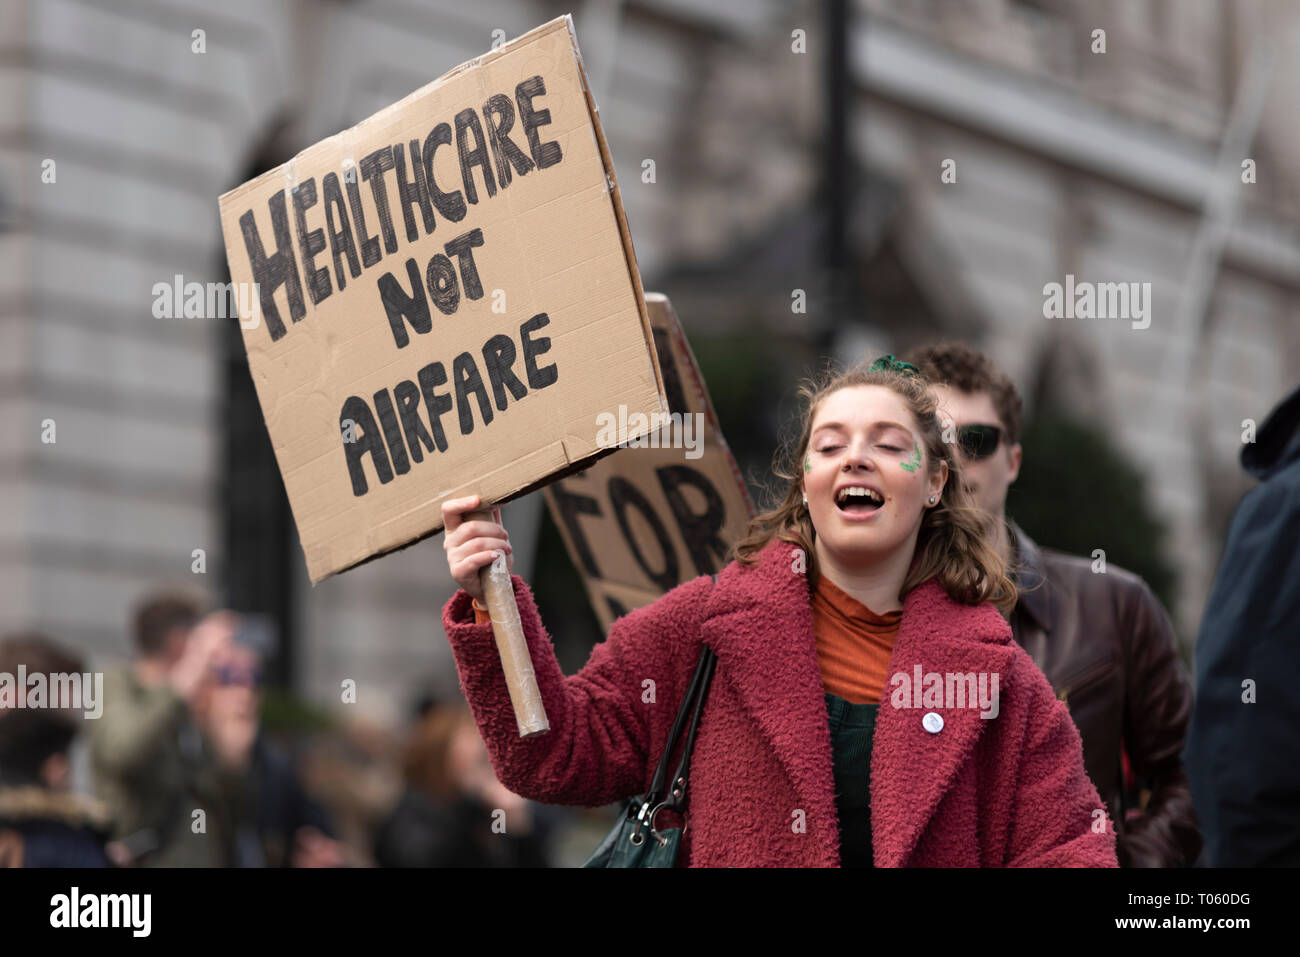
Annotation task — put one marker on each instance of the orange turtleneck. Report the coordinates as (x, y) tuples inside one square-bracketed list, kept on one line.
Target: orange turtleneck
[(853, 643)]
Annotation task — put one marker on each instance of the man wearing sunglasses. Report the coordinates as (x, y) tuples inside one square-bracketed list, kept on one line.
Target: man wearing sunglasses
[(1103, 640), (261, 815)]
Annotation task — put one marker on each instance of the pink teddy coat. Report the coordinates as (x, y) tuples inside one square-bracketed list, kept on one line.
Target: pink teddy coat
[(1009, 791)]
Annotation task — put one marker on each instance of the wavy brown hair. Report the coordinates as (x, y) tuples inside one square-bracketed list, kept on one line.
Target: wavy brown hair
[(952, 544), (426, 759)]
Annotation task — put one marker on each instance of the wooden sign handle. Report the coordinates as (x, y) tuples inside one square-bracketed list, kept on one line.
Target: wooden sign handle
[(521, 680)]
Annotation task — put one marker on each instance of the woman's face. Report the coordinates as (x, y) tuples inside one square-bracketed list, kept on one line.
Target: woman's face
[(864, 438)]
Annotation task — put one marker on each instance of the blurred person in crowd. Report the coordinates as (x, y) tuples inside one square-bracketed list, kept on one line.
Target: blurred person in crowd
[(42, 822), (260, 814), (1103, 640), (145, 751), (1243, 750), (453, 811)]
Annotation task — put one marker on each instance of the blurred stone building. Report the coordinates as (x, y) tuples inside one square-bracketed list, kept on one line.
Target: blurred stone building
[(1111, 167), (123, 123), (1117, 166), (122, 126)]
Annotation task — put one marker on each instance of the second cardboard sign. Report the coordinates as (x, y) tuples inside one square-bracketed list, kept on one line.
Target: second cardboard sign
[(665, 509)]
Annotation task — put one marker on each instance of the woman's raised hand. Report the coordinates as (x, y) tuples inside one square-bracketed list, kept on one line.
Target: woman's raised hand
[(472, 545)]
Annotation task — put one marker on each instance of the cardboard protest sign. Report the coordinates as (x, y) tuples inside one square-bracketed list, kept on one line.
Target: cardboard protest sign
[(446, 300), (668, 507)]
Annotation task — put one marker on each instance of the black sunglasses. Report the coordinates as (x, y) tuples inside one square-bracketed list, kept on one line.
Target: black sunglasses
[(234, 675), (979, 441)]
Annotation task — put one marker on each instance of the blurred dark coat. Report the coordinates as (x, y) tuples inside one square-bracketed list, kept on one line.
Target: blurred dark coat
[(146, 755), (155, 771), (254, 815), (422, 832), (1243, 759), (1108, 648), (43, 828)]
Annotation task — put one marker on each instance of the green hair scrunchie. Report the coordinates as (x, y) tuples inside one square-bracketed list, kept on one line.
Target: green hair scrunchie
[(891, 364)]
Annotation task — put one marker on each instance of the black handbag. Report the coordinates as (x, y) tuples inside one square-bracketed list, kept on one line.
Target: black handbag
[(634, 841)]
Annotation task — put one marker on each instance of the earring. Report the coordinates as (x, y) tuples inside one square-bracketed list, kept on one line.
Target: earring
[(931, 499), (805, 501)]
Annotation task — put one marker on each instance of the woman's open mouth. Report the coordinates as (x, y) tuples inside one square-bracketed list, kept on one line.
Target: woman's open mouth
[(858, 501)]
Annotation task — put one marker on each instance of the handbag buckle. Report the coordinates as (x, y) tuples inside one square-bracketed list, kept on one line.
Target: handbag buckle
[(673, 807), (637, 838)]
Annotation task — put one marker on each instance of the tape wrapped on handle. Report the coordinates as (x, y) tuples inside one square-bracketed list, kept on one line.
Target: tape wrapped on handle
[(521, 679)]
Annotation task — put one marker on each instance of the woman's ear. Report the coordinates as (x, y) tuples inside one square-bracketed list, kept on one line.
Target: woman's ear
[(938, 482)]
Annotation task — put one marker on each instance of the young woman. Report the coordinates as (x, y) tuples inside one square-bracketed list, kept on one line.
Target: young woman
[(854, 633)]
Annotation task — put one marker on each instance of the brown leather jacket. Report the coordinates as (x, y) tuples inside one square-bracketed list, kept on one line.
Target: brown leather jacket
[(1107, 647)]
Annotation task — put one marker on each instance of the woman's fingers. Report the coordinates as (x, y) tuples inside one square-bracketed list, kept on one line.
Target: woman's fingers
[(454, 509), (472, 545), (466, 571), (471, 531), (486, 543)]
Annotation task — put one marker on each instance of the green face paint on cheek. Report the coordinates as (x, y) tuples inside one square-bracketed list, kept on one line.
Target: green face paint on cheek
[(914, 462), (807, 464)]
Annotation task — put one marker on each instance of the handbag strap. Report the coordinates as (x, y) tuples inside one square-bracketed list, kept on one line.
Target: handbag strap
[(678, 802), (689, 709), (692, 706)]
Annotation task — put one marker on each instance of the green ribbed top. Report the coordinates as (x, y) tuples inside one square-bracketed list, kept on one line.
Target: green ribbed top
[(852, 727)]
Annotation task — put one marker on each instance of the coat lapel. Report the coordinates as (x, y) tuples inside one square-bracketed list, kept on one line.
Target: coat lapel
[(912, 768), (759, 622)]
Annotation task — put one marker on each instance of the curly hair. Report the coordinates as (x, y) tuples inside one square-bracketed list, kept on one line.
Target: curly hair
[(966, 369), (953, 544)]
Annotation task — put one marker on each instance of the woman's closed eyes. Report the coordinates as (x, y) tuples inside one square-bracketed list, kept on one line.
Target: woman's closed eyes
[(836, 448)]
